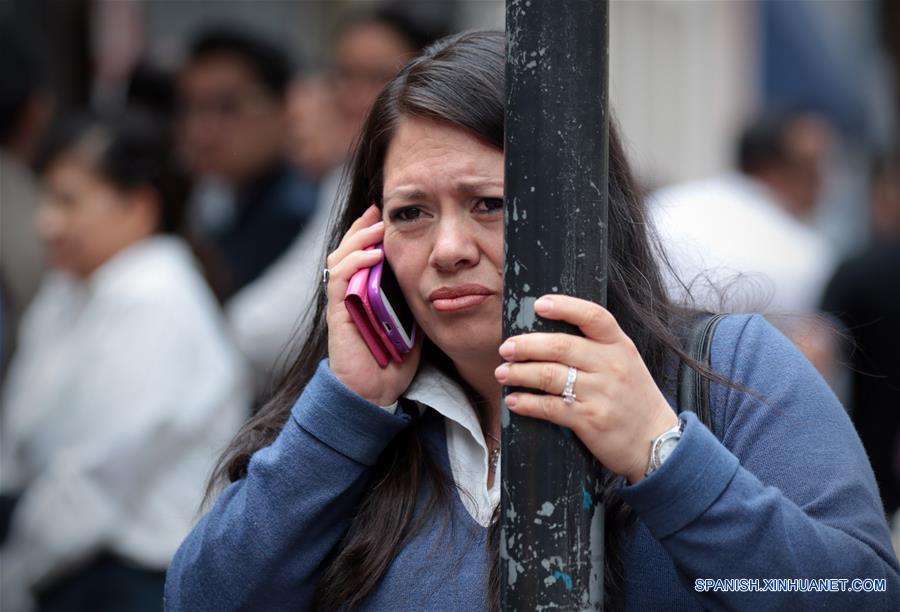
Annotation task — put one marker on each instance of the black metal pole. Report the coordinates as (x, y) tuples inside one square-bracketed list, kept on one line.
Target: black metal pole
[(551, 550)]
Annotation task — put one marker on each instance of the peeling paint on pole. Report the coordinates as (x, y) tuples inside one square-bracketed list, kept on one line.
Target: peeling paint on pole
[(551, 550)]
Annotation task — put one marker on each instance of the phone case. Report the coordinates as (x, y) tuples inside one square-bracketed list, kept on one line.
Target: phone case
[(357, 302), (381, 314)]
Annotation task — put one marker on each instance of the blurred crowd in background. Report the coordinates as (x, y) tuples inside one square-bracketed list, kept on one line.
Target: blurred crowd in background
[(168, 170)]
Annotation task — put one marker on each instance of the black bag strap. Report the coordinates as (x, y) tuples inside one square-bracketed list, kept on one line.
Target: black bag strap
[(693, 389)]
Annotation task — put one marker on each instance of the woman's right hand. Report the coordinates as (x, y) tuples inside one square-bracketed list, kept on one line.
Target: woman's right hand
[(349, 356)]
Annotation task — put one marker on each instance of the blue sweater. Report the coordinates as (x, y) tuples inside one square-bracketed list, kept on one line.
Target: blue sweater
[(787, 493)]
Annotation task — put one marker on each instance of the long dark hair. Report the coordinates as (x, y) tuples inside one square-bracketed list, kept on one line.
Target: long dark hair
[(460, 81)]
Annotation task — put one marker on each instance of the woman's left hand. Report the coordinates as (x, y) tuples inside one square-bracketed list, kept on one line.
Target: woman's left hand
[(618, 408)]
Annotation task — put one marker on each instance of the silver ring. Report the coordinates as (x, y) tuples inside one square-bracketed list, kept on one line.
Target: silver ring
[(568, 393), (325, 274)]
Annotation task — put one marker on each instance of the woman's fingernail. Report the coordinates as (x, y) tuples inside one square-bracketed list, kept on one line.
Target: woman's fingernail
[(502, 372), (511, 401), (508, 349), (543, 305)]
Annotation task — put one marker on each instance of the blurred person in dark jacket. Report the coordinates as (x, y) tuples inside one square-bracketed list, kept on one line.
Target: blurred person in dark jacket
[(865, 294), (26, 106), (326, 113), (250, 202), (124, 386)]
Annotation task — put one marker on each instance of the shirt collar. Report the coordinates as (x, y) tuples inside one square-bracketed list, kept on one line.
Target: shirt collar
[(438, 391), (466, 447)]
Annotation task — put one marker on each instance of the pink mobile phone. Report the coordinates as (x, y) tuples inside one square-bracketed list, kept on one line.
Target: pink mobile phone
[(390, 308), (356, 300)]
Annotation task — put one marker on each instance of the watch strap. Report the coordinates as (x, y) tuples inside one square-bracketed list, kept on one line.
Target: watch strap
[(655, 462)]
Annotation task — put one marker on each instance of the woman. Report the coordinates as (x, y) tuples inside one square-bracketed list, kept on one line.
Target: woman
[(358, 487), (124, 385)]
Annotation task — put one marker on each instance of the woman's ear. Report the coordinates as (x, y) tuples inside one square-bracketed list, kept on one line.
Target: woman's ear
[(144, 210)]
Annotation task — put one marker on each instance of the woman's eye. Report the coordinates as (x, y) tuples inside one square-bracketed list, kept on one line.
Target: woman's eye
[(490, 205), (410, 213)]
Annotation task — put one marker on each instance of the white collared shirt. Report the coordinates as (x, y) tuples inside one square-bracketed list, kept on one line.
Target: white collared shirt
[(124, 390), (728, 237), (466, 446)]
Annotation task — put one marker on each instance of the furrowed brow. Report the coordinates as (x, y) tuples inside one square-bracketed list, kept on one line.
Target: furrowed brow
[(405, 195), (478, 187)]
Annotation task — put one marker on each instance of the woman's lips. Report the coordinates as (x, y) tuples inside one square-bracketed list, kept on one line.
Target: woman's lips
[(449, 299), (459, 303)]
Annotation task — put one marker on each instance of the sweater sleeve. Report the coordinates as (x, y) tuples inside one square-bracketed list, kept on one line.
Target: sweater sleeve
[(262, 545), (787, 494)]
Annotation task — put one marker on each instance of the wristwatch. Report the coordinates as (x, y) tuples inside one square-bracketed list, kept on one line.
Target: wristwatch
[(663, 445)]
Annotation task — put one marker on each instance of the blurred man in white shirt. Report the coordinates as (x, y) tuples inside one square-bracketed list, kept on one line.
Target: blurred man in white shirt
[(743, 240)]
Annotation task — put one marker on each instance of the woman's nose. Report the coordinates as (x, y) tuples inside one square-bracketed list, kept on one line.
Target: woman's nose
[(454, 247)]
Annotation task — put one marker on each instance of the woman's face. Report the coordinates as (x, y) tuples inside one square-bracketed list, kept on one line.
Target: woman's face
[(84, 220), (367, 56), (443, 213)]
